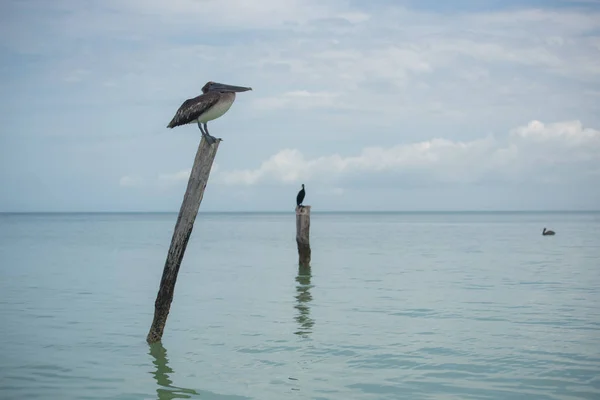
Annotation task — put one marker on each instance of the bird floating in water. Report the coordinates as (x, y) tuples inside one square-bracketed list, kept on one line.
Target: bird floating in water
[(215, 100), (547, 233), (300, 197)]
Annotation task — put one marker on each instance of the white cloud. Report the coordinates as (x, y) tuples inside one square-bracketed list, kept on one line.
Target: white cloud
[(130, 181), (163, 180), (423, 86), (137, 17), (355, 17), (174, 178), (388, 60), (534, 149), (299, 99)]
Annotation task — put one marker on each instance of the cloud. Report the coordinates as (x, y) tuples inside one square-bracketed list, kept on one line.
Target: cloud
[(299, 99), (388, 60), (353, 93), (235, 15), (163, 180), (536, 151), (130, 181), (174, 178), (355, 17)]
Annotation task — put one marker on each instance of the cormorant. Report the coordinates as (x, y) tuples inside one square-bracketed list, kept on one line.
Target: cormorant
[(215, 100), (547, 233), (300, 196)]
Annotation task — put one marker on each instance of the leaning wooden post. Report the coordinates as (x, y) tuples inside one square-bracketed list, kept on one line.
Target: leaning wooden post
[(205, 157), (303, 235)]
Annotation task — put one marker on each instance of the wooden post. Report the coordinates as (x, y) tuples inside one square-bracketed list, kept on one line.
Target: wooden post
[(303, 235), (205, 157)]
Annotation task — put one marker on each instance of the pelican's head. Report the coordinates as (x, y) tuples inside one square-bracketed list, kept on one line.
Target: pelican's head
[(222, 88)]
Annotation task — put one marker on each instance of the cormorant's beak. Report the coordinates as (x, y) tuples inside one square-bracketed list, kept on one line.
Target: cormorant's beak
[(221, 87)]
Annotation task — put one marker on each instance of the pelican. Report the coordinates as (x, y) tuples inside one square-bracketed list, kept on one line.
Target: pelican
[(300, 196), (547, 233), (215, 100)]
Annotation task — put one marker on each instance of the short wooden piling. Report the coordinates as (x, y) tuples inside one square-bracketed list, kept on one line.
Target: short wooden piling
[(194, 193), (303, 235)]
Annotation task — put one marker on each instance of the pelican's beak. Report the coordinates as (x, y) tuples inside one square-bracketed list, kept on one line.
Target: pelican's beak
[(221, 87)]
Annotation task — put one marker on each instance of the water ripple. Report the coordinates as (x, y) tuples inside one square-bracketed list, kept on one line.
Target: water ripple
[(394, 306)]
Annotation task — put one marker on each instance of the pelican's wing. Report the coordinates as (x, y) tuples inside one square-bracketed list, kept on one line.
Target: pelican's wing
[(193, 108)]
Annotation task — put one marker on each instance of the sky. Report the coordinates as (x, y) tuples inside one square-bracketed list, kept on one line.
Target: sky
[(383, 105)]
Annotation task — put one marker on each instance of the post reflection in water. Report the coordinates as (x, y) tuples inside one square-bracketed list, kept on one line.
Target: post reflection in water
[(303, 298), (166, 390)]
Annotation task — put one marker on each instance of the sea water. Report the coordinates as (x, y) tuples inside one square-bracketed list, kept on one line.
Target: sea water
[(394, 306)]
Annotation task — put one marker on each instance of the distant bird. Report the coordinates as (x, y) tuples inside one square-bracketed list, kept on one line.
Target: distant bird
[(547, 233), (300, 197), (215, 100)]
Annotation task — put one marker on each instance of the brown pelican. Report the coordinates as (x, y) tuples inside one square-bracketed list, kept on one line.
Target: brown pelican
[(300, 196), (215, 100), (547, 233)]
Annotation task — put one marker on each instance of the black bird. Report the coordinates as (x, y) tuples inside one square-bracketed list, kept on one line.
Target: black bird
[(215, 100), (547, 233), (300, 196)]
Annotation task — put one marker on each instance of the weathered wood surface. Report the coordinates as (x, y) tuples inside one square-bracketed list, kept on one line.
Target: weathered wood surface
[(303, 235), (194, 193)]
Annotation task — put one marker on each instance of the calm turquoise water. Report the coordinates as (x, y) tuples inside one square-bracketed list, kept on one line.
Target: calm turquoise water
[(396, 306)]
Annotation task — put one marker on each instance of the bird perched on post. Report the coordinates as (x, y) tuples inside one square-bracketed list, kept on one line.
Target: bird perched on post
[(215, 100), (300, 197)]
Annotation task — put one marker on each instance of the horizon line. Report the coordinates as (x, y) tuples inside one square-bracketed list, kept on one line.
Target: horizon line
[(312, 211)]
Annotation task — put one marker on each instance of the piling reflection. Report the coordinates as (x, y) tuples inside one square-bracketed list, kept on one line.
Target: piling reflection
[(166, 390), (303, 298)]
